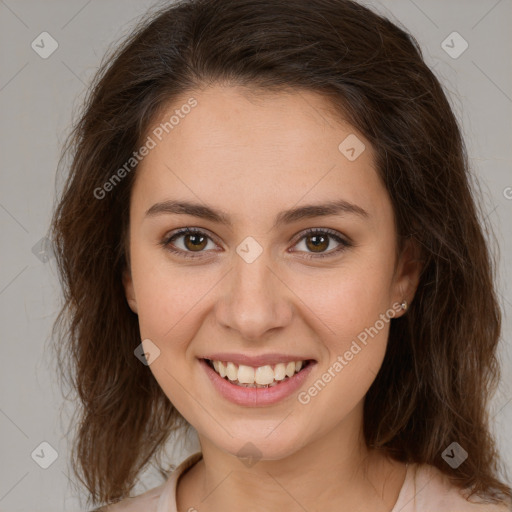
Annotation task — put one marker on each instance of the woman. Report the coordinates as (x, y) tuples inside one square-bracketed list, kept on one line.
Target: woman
[(268, 234)]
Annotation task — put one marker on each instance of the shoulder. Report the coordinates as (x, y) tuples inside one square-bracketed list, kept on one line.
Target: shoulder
[(147, 502), (430, 489), (159, 498)]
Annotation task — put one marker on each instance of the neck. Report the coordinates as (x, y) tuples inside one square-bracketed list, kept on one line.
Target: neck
[(334, 472)]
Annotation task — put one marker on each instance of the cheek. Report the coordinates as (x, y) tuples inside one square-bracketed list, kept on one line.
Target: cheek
[(352, 315), (169, 312), (344, 302), (168, 296), (356, 343)]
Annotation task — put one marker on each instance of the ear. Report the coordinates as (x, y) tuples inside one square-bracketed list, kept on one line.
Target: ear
[(408, 273), (128, 289)]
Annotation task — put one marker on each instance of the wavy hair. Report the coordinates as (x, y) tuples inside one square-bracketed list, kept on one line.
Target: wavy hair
[(440, 367)]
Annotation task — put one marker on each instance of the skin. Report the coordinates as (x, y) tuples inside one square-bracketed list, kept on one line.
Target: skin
[(253, 156)]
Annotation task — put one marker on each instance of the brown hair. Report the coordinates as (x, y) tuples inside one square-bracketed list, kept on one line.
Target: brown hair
[(440, 367)]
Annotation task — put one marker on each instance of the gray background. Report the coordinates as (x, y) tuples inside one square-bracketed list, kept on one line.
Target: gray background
[(38, 98)]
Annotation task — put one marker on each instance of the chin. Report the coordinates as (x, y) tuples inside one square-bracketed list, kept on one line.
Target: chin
[(261, 444)]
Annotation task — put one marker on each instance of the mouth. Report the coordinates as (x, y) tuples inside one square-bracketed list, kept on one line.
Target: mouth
[(266, 376)]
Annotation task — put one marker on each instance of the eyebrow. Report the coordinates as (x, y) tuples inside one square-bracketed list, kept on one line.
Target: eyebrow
[(337, 207)]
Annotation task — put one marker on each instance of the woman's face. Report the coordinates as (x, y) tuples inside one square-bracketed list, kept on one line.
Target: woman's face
[(256, 289)]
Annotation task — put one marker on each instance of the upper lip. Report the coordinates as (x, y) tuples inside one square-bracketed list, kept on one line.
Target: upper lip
[(255, 361)]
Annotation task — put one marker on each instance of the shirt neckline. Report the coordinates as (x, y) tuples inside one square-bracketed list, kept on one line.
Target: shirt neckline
[(167, 501), (403, 495)]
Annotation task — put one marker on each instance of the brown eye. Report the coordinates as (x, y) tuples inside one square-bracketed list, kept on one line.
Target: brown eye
[(317, 243), (194, 241), (186, 242)]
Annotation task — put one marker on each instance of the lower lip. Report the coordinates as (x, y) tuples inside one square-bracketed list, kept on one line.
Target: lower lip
[(256, 397)]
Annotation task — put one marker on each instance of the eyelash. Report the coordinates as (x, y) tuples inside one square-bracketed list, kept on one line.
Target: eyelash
[(344, 244)]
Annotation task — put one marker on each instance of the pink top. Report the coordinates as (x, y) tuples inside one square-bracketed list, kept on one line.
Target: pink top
[(425, 489)]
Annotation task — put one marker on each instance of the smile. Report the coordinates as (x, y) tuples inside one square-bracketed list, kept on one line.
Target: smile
[(260, 377), (256, 386)]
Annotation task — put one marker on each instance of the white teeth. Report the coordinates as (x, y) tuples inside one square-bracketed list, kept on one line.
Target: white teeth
[(245, 374), (280, 371), (263, 376), (231, 371), (290, 369)]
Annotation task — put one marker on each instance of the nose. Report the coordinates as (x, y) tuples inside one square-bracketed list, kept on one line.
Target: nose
[(255, 299)]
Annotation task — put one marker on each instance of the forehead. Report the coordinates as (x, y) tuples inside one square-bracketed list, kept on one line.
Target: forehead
[(252, 150)]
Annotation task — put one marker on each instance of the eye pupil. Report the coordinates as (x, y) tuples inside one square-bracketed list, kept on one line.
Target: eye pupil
[(194, 239), (317, 244)]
